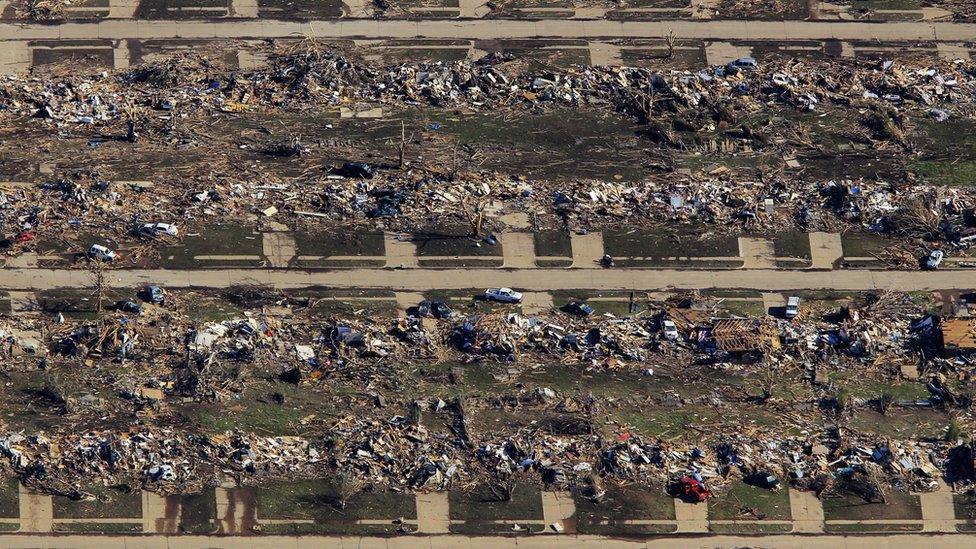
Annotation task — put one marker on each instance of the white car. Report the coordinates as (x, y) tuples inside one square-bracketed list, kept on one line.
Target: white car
[(670, 330), (792, 306), (101, 253), (158, 229), (504, 295), (746, 63), (934, 259)]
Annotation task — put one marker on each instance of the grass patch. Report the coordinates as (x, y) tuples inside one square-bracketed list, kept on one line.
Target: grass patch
[(553, 243), (256, 411), (856, 528), (735, 503), (341, 528), (337, 263), (615, 303), (832, 296), (964, 506), (347, 243), (678, 264), (207, 308), (453, 242), (755, 527), (792, 244), (867, 387), (562, 143), (299, 9), (899, 424), (314, 500), (490, 528), (747, 308), (480, 505), (198, 511), (541, 263), (873, 5), (455, 263), (620, 504), (846, 506), (668, 422), (110, 503), (74, 303), (950, 173), (10, 498), (214, 240), (420, 55), (657, 245), (346, 306), (732, 293), (862, 244), (98, 527)]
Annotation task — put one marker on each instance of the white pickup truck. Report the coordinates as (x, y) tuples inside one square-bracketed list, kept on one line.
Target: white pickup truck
[(504, 295)]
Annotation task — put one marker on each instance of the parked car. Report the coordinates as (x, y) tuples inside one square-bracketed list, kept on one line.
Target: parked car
[(355, 170), (153, 294), (503, 295), (792, 306), (670, 330), (934, 259), (101, 253), (125, 306), (745, 63), (578, 308), (159, 229), (441, 310)]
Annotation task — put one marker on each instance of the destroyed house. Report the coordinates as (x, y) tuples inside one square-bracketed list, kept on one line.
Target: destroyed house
[(687, 319), (959, 335), (742, 337)]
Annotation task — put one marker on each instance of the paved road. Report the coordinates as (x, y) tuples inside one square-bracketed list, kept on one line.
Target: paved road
[(900, 541), (495, 29), (526, 279)]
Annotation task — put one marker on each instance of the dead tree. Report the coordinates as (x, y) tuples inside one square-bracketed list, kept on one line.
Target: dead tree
[(98, 275), (342, 487), (475, 215), (593, 488), (460, 427), (885, 400), (502, 485), (766, 383), (403, 143)]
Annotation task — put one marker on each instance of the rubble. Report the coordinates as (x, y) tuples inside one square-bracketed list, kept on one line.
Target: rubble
[(679, 111), (890, 98), (148, 392), (563, 446)]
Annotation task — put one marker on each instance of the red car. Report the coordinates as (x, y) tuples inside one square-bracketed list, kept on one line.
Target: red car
[(692, 490)]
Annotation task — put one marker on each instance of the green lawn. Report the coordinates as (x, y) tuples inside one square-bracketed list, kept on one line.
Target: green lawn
[(110, 503), (848, 506), (951, 173), (622, 503), (553, 243), (480, 505), (735, 502)]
